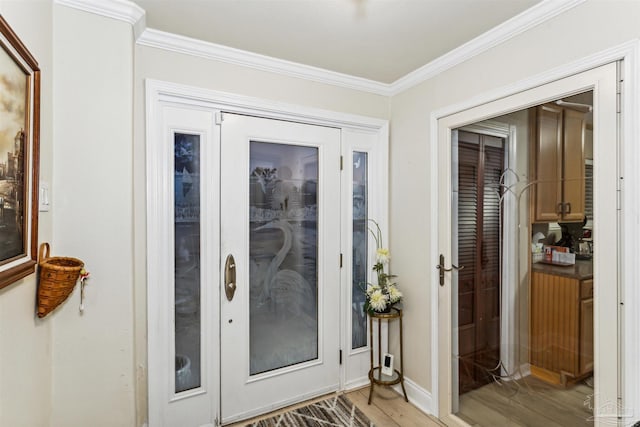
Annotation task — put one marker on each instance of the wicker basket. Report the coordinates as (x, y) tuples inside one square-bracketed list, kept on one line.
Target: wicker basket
[(58, 277)]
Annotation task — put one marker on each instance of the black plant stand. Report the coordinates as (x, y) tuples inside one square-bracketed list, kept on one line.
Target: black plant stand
[(375, 373)]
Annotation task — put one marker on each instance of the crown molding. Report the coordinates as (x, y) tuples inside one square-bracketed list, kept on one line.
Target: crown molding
[(541, 12), (130, 12), (186, 45), (122, 10)]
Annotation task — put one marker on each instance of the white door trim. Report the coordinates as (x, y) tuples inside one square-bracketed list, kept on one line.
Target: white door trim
[(157, 90), (630, 203), (160, 94), (355, 363)]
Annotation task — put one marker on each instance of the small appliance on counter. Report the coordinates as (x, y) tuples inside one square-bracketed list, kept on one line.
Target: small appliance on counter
[(558, 255), (584, 249), (537, 248)]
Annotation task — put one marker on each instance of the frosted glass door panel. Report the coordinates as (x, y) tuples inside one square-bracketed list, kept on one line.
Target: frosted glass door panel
[(281, 222), (360, 238), (187, 261), (283, 183)]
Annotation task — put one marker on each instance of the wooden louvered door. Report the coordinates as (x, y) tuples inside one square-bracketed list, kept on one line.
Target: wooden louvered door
[(480, 165)]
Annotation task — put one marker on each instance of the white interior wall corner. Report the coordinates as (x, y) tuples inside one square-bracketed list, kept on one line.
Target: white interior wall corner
[(93, 374)]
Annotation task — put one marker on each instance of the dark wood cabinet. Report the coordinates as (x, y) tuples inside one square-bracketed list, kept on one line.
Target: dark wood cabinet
[(558, 165)]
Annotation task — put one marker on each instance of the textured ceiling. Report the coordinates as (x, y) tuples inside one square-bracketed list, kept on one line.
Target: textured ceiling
[(381, 40)]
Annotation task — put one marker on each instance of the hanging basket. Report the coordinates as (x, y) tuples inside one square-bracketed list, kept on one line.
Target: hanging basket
[(57, 278)]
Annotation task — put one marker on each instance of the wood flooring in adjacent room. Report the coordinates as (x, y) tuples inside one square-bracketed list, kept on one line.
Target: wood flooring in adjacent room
[(529, 402), (387, 408)]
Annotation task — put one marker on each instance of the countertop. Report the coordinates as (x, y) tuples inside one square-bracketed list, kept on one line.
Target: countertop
[(582, 270)]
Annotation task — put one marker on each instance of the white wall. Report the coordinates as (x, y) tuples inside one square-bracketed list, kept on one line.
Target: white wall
[(25, 341), (584, 30), (72, 370), (93, 374)]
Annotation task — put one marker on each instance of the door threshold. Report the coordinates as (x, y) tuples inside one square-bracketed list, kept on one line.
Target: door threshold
[(387, 408), (243, 423)]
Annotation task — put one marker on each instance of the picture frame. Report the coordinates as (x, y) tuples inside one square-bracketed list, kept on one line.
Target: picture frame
[(19, 157)]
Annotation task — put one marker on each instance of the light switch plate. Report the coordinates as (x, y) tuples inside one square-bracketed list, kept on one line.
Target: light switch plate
[(43, 197)]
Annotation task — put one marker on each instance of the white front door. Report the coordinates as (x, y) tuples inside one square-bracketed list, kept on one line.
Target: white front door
[(280, 249), (269, 193)]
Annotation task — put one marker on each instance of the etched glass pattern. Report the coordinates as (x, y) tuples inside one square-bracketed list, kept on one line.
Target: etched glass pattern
[(360, 238), (283, 184), (187, 261)]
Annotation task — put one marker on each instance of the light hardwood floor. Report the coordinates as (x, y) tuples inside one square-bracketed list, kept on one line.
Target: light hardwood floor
[(387, 408), (529, 402)]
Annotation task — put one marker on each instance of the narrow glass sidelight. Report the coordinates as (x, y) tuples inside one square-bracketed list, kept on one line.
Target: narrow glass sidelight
[(187, 261), (360, 237), (283, 255)]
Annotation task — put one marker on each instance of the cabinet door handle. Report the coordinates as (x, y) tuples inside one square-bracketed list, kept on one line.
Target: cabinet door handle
[(568, 209), (560, 209)]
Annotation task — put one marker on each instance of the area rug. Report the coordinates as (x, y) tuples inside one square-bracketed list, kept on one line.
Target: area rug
[(336, 411)]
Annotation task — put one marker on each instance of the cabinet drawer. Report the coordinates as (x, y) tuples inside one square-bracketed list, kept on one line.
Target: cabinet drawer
[(586, 289)]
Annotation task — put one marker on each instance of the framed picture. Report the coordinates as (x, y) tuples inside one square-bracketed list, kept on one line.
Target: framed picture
[(19, 157)]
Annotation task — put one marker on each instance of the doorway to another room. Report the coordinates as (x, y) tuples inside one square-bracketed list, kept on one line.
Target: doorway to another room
[(545, 374), (529, 200)]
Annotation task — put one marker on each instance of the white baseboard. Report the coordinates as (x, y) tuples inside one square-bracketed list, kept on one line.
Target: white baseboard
[(357, 383), (418, 396), (525, 371)]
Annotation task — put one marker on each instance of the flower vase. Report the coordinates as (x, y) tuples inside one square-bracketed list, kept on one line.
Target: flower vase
[(387, 310)]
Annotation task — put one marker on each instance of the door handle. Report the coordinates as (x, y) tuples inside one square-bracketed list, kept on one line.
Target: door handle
[(442, 269), (230, 277)]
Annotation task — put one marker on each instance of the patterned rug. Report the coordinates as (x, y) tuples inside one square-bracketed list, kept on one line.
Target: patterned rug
[(336, 411)]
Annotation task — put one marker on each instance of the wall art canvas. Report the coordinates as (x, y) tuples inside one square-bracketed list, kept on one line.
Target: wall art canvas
[(19, 133)]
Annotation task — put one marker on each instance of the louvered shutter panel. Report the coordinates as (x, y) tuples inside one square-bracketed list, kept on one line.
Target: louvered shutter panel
[(467, 230), (588, 190), (468, 156), (480, 167), (491, 231)]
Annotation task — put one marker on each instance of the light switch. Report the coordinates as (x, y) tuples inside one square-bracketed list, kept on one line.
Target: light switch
[(44, 197)]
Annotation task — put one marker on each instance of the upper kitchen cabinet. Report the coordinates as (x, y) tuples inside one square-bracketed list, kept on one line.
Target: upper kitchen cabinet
[(558, 165)]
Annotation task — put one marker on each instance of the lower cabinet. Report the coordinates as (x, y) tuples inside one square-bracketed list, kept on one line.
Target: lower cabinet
[(561, 339), (586, 334)]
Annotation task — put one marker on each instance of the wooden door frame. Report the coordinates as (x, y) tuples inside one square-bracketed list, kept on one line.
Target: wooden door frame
[(160, 94), (628, 245)]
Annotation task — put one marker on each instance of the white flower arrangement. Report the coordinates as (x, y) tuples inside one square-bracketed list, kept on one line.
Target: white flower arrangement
[(381, 296)]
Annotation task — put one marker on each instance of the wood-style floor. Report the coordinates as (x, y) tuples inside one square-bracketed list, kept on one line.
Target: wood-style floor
[(523, 403), (387, 408), (527, 402)]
